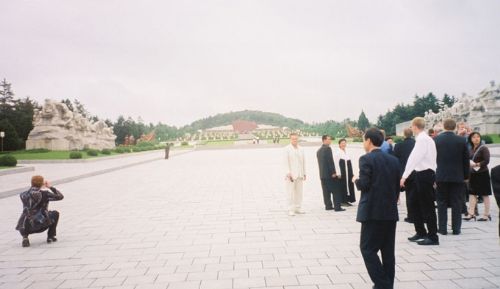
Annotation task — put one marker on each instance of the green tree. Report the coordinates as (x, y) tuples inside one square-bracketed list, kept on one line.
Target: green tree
[(448, 101), (363, 122), (11, 140)]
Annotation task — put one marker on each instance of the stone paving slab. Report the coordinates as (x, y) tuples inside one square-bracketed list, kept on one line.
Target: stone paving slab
[(217, 219)]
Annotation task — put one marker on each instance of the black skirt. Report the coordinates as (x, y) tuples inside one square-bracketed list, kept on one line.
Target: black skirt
[(480, 184)]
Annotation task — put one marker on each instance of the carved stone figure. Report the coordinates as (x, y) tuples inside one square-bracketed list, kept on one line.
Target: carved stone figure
[(482, 113), (58, 128)]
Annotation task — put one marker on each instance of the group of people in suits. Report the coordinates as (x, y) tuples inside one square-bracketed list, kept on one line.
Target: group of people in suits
[(378, 181), (336, 181), (428, 169)]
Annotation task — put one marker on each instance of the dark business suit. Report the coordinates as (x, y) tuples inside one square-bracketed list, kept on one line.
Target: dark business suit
[(495, 183), (402, 151), (452, 169), (328, 183), (378, 181)]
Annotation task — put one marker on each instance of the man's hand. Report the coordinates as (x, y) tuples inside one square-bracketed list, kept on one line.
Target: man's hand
[(334, 175), (354, 178), (402, 182), (46, 184)]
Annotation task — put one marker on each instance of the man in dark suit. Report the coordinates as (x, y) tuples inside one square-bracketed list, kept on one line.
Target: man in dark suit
[(378, 181), (328, 176), (452, 169), (402, 152)]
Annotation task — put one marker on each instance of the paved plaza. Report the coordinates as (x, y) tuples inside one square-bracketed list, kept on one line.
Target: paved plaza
[(217, 219)]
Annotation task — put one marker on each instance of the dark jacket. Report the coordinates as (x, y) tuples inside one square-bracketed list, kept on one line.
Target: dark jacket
[(402, 152), (379, 185), (35, 202), (325, 162), (452, 158), (480, 155)]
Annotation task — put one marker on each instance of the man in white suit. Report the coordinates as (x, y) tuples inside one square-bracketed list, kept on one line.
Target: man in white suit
[(295, 169)]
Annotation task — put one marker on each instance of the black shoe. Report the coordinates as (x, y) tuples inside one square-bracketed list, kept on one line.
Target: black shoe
[(415, 238), (347, 204), (456, 232), (443, 232), (339, 210), (408, 220), (329, 209), (26, 242), (51, 239), (427, 242)]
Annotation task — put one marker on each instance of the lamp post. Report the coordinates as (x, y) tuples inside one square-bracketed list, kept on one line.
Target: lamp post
[(2, 135)]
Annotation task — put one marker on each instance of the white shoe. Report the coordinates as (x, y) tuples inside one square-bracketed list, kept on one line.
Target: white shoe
[(299, 211), (291, 213)]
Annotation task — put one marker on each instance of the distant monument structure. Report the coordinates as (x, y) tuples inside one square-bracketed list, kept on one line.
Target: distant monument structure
[(352, 131), (481, 113), (58, 128)]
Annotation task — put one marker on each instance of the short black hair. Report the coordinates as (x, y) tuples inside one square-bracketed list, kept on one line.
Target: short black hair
[(469, 138), (375, 135), (325, 136), (342, 139)]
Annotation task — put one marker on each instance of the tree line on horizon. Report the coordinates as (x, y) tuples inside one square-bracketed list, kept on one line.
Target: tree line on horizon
[(16, 116)]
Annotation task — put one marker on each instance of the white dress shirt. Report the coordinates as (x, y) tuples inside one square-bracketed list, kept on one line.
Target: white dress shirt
[(423, 156), (295, 164)]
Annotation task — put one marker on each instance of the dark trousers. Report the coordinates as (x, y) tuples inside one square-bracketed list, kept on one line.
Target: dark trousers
[(423, 206), (379, 236), (54, 218), (497, 198), (450, 195), (329, 187), (410, 190)]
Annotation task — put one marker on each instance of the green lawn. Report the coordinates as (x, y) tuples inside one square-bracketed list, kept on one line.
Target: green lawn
[(495, 138), (51, 155), (3, 168)]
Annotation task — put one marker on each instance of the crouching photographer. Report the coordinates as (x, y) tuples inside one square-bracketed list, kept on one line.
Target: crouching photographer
[(36, 217)]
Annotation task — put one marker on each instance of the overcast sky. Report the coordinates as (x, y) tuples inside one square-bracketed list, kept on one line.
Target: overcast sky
[(178, 61)]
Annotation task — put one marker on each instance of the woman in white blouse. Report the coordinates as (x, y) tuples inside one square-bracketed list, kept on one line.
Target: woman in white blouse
[(345, 169)]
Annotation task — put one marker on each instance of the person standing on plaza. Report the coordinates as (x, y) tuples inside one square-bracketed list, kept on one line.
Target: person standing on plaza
[(422, 160), (295, 174), (378, 181), (346, 174), (386, 146), (328, 175), (479, 177), (402, 152), (36, 217), (452, 171)]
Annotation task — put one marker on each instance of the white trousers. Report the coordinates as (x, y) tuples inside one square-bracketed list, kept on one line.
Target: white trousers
[(294, 191)]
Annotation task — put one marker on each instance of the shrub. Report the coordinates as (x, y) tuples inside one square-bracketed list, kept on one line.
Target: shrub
[(145, 144), (38, 151), (92, 152), (138, 149), (487, 139), (397, 139), (184, 143), (8, 160), (75, 155), (122, 150), (106, 151)]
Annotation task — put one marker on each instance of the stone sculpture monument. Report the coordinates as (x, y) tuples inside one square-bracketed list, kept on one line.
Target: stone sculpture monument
[(58, 128), (481, 113)]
